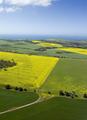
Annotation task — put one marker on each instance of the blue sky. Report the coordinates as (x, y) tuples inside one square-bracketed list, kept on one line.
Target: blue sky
[(60, 17)]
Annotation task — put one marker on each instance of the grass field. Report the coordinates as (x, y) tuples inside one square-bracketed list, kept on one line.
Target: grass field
[(30, 71), (54, 109), (69, 75), (11, 99)]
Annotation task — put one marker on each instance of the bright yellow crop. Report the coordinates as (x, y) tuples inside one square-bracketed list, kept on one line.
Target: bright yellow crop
[(75, 50), (36, 41), (46, 44), (31, 70)]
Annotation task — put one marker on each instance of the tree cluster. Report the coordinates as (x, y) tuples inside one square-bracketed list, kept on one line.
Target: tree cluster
[(85, 95), (7, 63), (68, 94)]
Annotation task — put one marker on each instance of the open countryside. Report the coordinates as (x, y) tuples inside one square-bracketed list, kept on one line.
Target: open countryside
[(43, 59), (49, 74)]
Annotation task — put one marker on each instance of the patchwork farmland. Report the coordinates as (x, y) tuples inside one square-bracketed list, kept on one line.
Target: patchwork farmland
[(43, 79)]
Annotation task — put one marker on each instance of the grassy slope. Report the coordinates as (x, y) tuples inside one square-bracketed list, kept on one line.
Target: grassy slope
[(69, 74), (17, 46), (9, 99), (54, 109)]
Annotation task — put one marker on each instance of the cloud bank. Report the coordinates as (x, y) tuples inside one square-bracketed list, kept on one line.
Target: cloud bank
[(13, 5)]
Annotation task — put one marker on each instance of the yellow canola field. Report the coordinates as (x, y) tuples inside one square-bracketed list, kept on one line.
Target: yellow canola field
[(30, 71), (75, 50), (47, 44), (36, 41)]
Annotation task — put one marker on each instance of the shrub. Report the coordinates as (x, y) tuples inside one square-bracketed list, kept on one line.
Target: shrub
[(61, 93), (8, 87), (68, 94), (49, 92), (25, 89), (16, 88), (85, 95), (20, 89)]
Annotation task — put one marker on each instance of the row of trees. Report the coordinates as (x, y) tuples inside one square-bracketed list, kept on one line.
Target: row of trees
[(68, 94), (61, 92), (8, 87)]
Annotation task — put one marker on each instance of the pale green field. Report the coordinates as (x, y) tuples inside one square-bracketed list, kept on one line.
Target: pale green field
[(68, 75)]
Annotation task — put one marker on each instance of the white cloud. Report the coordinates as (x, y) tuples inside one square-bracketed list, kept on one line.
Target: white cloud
[(1, 1), (29, 2), (7, 9), (13, 5), (11, 9), (1, 9)]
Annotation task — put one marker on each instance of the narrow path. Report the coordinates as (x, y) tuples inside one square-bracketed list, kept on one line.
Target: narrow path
[(23, 106)]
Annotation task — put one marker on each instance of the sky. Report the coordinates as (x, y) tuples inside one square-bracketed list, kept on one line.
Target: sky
[(53, 17)]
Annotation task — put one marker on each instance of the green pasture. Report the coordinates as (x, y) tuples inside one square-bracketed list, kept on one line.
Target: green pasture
[(68, 75), (10, 99), (53, 109)]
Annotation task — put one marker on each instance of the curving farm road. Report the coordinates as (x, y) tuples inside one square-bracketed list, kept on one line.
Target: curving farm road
[(20, 107)]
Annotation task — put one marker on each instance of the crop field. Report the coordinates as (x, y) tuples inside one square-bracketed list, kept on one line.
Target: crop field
[(68, 75), (11, 99), (47, 44), (30, 71), (43, 68), (53, 109), (34, 48), (75, 50)]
